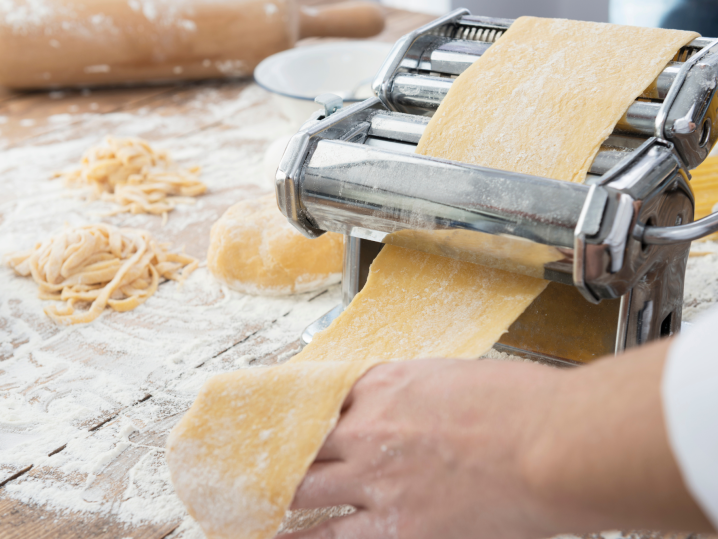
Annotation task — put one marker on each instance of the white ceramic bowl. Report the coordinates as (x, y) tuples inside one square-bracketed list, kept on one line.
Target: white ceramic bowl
[(297, 76)]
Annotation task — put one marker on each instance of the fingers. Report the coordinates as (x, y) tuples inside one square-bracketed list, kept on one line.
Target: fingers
[(348, 401), (359, 525), (335, 446), (331, 450), (328, 484), (342, 443)]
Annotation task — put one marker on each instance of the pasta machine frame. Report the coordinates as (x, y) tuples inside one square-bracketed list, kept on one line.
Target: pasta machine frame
[(614, 248)]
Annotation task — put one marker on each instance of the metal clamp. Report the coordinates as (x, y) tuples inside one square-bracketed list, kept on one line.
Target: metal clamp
[(331, 102), (617, 237), (589, 223)]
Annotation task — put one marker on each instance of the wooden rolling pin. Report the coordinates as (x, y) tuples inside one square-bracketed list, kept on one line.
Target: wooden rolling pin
[(99, 42)]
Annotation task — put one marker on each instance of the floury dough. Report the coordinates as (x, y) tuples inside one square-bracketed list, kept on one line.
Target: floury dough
[(253, 249), (545, 96), (418, 305), (241, 451), (540, 101)]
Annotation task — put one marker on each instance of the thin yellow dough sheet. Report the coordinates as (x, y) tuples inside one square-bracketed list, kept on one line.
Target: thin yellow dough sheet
[(251, 435), (540, 101), (545, 96), (418, 305)]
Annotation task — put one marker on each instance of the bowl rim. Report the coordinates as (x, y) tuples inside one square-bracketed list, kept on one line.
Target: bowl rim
[(298, 51)]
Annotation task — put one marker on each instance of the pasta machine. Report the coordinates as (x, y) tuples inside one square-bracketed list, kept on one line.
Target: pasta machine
[(614, 248)]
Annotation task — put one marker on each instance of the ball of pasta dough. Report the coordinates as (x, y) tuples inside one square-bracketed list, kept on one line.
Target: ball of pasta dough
[(254, 250)]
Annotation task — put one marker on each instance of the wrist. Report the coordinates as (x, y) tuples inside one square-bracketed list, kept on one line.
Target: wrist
[(601, 458), (574, 466), (543, 450)]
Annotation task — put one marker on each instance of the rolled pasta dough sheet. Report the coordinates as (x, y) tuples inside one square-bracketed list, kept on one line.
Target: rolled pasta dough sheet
[(545, 96), (418, 305), (239, 454), (540, 101)]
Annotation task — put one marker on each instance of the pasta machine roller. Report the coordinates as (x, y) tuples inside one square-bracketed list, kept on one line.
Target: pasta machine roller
[(614, 248)]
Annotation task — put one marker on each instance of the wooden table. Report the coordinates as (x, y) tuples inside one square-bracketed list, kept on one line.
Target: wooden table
[(112, 447), (91, 406)]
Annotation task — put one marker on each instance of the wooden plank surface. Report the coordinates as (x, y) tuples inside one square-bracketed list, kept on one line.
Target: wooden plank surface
[(103, 475)]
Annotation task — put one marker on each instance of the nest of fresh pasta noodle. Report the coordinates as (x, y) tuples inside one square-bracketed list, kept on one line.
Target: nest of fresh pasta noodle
[(102, 265), (136, 177)]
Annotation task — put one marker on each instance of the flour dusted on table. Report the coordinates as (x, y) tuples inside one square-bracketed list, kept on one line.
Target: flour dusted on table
[(701, 286), (60, 381)]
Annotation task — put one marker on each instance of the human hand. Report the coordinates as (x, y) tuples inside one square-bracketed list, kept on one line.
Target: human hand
[(433, 449), (449, 449)]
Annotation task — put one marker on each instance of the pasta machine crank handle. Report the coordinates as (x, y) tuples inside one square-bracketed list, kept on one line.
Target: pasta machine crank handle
[(671, 235)]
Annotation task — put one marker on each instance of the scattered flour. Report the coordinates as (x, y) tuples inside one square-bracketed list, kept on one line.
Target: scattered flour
[(701, 286), (130, 376), (106, 394), (22, 15), (503, 356)]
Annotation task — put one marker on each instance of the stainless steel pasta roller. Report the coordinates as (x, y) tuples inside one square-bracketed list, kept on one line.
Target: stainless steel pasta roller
[(614, 248)]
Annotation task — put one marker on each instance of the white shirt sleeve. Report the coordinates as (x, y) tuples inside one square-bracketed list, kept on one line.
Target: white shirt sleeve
[(690, 402)]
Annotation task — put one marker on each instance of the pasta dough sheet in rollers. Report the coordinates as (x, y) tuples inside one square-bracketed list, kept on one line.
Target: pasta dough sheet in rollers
[(241, 451), (540, 101), (545, 96), (420, 305)]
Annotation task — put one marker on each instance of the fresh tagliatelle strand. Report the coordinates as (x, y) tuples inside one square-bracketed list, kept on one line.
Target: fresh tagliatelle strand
[(136, 177), (100, 264)]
